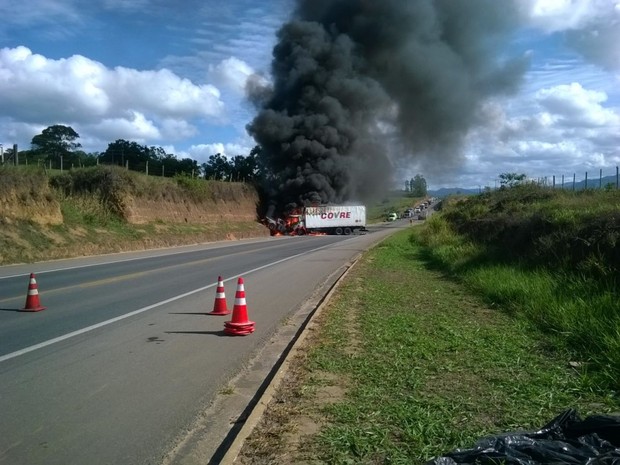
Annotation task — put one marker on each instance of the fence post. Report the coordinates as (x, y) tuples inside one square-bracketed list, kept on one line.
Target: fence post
[(554, 181), (616, 177), (574, 174), (586, 186), (600, 179), (562, 182)]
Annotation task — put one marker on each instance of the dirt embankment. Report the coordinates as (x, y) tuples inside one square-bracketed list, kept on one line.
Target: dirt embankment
[(230, 202), (28, 198), (103, 209)]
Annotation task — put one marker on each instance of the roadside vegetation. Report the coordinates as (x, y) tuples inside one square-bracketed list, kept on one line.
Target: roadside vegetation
[(497, 315), (398, 202), (549, 257), (49, 214)]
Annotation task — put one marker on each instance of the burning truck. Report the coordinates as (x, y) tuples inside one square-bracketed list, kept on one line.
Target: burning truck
[(321, 219)]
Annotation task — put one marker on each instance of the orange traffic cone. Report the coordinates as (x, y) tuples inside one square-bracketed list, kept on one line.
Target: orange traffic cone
[(239, 325), (32, 298), (219, 306)]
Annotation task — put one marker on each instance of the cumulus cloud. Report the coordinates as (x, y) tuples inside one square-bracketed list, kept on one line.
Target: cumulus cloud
[(135, 127), (591, 27), (232, 73), (202, 152), (576, 106), (118, 102), (559, 15), (566, 118)]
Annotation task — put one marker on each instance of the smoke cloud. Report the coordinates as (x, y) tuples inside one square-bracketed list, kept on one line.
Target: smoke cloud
[(360, 85)]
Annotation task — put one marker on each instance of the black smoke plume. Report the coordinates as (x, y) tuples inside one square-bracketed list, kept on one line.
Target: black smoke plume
[(359, 85)]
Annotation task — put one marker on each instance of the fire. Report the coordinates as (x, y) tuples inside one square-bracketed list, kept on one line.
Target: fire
[(288, 225)]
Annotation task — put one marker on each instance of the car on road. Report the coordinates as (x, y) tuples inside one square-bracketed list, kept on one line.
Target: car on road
[(392, 216)]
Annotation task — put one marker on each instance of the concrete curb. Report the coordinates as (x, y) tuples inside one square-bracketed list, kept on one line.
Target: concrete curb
[(263, 402)]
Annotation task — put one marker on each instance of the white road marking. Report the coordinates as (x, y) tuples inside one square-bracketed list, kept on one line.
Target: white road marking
[(64, 337)]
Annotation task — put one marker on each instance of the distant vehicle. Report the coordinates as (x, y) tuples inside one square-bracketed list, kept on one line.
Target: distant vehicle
[(392, 217)]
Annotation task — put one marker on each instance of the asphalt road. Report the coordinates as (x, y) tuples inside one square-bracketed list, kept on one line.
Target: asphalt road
[(125, 367)]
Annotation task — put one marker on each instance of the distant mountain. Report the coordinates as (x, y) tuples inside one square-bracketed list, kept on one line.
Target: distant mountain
[(445, 191), (595, 183)]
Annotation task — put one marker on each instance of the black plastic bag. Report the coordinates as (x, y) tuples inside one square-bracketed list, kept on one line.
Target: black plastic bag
[(564, 440)]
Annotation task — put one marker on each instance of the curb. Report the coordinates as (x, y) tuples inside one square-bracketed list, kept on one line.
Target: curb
[(262, 404)]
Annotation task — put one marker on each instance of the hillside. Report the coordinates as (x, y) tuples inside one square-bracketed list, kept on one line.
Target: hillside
[(548, 256), (107, 209)]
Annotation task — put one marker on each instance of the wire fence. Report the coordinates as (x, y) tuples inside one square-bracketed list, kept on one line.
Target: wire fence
[(598, 180)]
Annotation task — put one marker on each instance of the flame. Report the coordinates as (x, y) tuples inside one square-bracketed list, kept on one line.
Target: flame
[(290, 224)]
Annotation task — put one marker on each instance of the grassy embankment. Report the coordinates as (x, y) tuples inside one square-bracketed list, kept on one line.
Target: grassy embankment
[(92, 205), (397, 202), (497, 315)]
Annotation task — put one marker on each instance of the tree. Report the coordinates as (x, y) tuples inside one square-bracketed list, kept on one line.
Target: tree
[(418, 187), (217, 168), (187, 166), (55, 143), (125, 153), (244, 168), (511, 179)]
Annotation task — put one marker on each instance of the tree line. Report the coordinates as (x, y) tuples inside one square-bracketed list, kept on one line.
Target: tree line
[(57, 147)]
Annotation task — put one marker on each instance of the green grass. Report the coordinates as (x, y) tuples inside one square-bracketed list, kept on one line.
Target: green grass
[(435, 367), (395, 203), (576, 306)]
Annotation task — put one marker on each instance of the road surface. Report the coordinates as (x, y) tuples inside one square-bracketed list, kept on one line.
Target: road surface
[(125, 367)]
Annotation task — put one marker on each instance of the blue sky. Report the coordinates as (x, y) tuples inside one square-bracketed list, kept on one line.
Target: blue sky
[(172, 74)]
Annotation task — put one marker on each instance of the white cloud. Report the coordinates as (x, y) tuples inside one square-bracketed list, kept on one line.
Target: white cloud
[(576, 106), (133, 127), (232, 73), (557, 130), (162, 92), (202, 152), (176, 129), (118, 103), (591, 27), (560, 15)]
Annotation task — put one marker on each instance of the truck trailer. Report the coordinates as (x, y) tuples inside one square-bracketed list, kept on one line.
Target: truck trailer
[(321, 219)]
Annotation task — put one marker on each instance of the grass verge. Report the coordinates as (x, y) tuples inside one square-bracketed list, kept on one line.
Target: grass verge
[(406, 364)]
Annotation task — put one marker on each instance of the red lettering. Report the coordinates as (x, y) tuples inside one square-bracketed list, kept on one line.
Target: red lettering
[(335, 215)]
